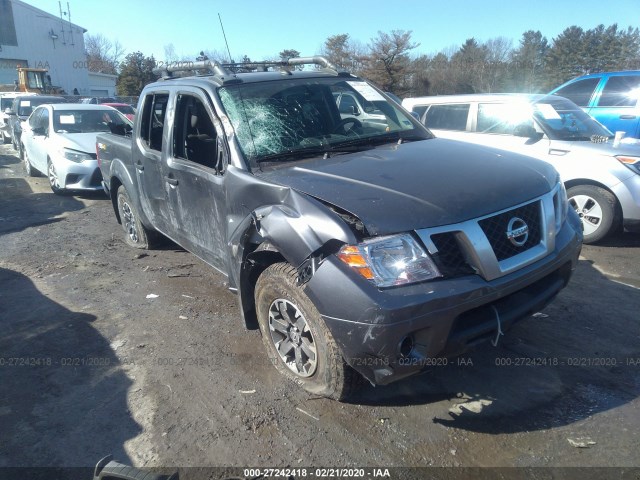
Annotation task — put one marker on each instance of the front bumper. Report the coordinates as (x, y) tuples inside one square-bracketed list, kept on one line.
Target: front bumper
[(628, 194), (442, 318), (78, 176)]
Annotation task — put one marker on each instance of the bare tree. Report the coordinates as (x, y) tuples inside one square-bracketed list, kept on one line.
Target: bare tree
[(170, 53), (388, 64), (499, 51), (103, 55)]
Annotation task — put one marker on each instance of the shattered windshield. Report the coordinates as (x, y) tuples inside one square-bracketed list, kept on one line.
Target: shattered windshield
[(561, 119), (297, 118)]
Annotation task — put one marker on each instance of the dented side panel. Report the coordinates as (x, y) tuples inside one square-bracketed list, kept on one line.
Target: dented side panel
[(294, 224)]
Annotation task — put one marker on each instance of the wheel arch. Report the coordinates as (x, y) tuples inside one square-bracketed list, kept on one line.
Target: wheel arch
[(274, 234)]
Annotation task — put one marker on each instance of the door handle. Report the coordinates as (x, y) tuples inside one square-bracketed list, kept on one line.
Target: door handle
[(171, 181), (139, 166), (627, 117)]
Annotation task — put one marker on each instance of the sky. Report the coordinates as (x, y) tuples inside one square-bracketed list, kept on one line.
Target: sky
[(261, 29)]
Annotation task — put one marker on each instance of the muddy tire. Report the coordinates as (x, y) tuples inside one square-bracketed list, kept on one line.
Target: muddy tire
[(136, 235), (597, 208), (296, 339)]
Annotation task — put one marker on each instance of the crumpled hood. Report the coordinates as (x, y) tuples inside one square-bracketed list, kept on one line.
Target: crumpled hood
[(420, 184)]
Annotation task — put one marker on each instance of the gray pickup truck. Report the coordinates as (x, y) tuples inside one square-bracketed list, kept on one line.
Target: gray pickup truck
[(359, 247)]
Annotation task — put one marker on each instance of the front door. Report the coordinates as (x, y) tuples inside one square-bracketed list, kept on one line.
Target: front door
[(194, 173)]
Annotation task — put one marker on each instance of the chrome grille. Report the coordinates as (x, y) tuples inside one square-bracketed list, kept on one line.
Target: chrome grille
[(495, 228), (450, 259)]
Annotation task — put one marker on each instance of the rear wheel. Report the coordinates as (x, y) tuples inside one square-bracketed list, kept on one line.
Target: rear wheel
[(597, 209), (135, 234), (296, 338)]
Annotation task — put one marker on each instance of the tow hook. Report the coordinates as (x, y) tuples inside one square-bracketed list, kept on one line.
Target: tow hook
[(499, 332)]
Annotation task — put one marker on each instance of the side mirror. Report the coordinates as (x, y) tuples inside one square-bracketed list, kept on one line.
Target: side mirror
[(121, 129), (8, 111), (524, 130)]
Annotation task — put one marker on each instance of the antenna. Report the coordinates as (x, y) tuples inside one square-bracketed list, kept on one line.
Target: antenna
[(70, 24), (64, 40), (225, 38)]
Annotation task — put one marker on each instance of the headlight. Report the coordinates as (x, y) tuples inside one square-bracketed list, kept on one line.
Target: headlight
[(631, 162), (561, 204), (389, 261), (75, 156)]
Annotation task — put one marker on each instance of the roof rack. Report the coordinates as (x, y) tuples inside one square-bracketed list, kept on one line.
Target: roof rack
[(229, 69)]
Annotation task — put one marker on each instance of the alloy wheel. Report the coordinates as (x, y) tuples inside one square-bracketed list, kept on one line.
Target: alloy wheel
[(292, 338), (589, 211)]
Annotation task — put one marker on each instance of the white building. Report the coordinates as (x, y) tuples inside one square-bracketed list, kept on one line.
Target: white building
[(102, 84), (34, 38)]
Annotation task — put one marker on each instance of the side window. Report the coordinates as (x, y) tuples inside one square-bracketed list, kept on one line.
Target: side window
[(43, 121), (622, 91), (419, 110), (34, 119), (194, 135), (579, 92), (348, 105), (503, 118), (447, 117), (152, 120)]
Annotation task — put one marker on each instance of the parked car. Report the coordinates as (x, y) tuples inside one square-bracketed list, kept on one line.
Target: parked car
[(98, 100), (359, 246), (60, 139), (6, 100), (350, 106), (612, 98), (602, 178), (124, 108), (21, 107)]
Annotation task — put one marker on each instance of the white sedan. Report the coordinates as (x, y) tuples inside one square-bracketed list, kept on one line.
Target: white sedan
[(60, 139)]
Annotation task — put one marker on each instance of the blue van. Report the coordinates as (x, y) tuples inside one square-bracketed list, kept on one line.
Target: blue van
[(612, 98)]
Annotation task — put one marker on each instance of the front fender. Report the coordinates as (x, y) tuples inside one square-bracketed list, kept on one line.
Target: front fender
[(298, 228)]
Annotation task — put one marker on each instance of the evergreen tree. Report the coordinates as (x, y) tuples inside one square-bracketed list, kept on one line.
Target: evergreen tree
[(136, 72)]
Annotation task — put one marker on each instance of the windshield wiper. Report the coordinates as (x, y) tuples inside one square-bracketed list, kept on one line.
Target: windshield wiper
[(320, 151)]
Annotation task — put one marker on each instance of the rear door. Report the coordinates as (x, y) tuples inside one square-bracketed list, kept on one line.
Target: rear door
[(507, 126), (151, 138), (617, 104)]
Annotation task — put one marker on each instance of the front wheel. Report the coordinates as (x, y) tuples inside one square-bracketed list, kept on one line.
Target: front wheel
[(54, 181), (136, 234), (28, 168), (597, 208), (297, 341)]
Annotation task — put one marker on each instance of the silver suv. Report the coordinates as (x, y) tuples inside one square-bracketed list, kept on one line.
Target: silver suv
[(602, 175)]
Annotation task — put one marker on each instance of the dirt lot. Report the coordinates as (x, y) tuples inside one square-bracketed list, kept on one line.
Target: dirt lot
[(91, 365)]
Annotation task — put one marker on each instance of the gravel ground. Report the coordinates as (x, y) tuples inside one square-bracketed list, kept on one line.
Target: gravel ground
[(142, 354)]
